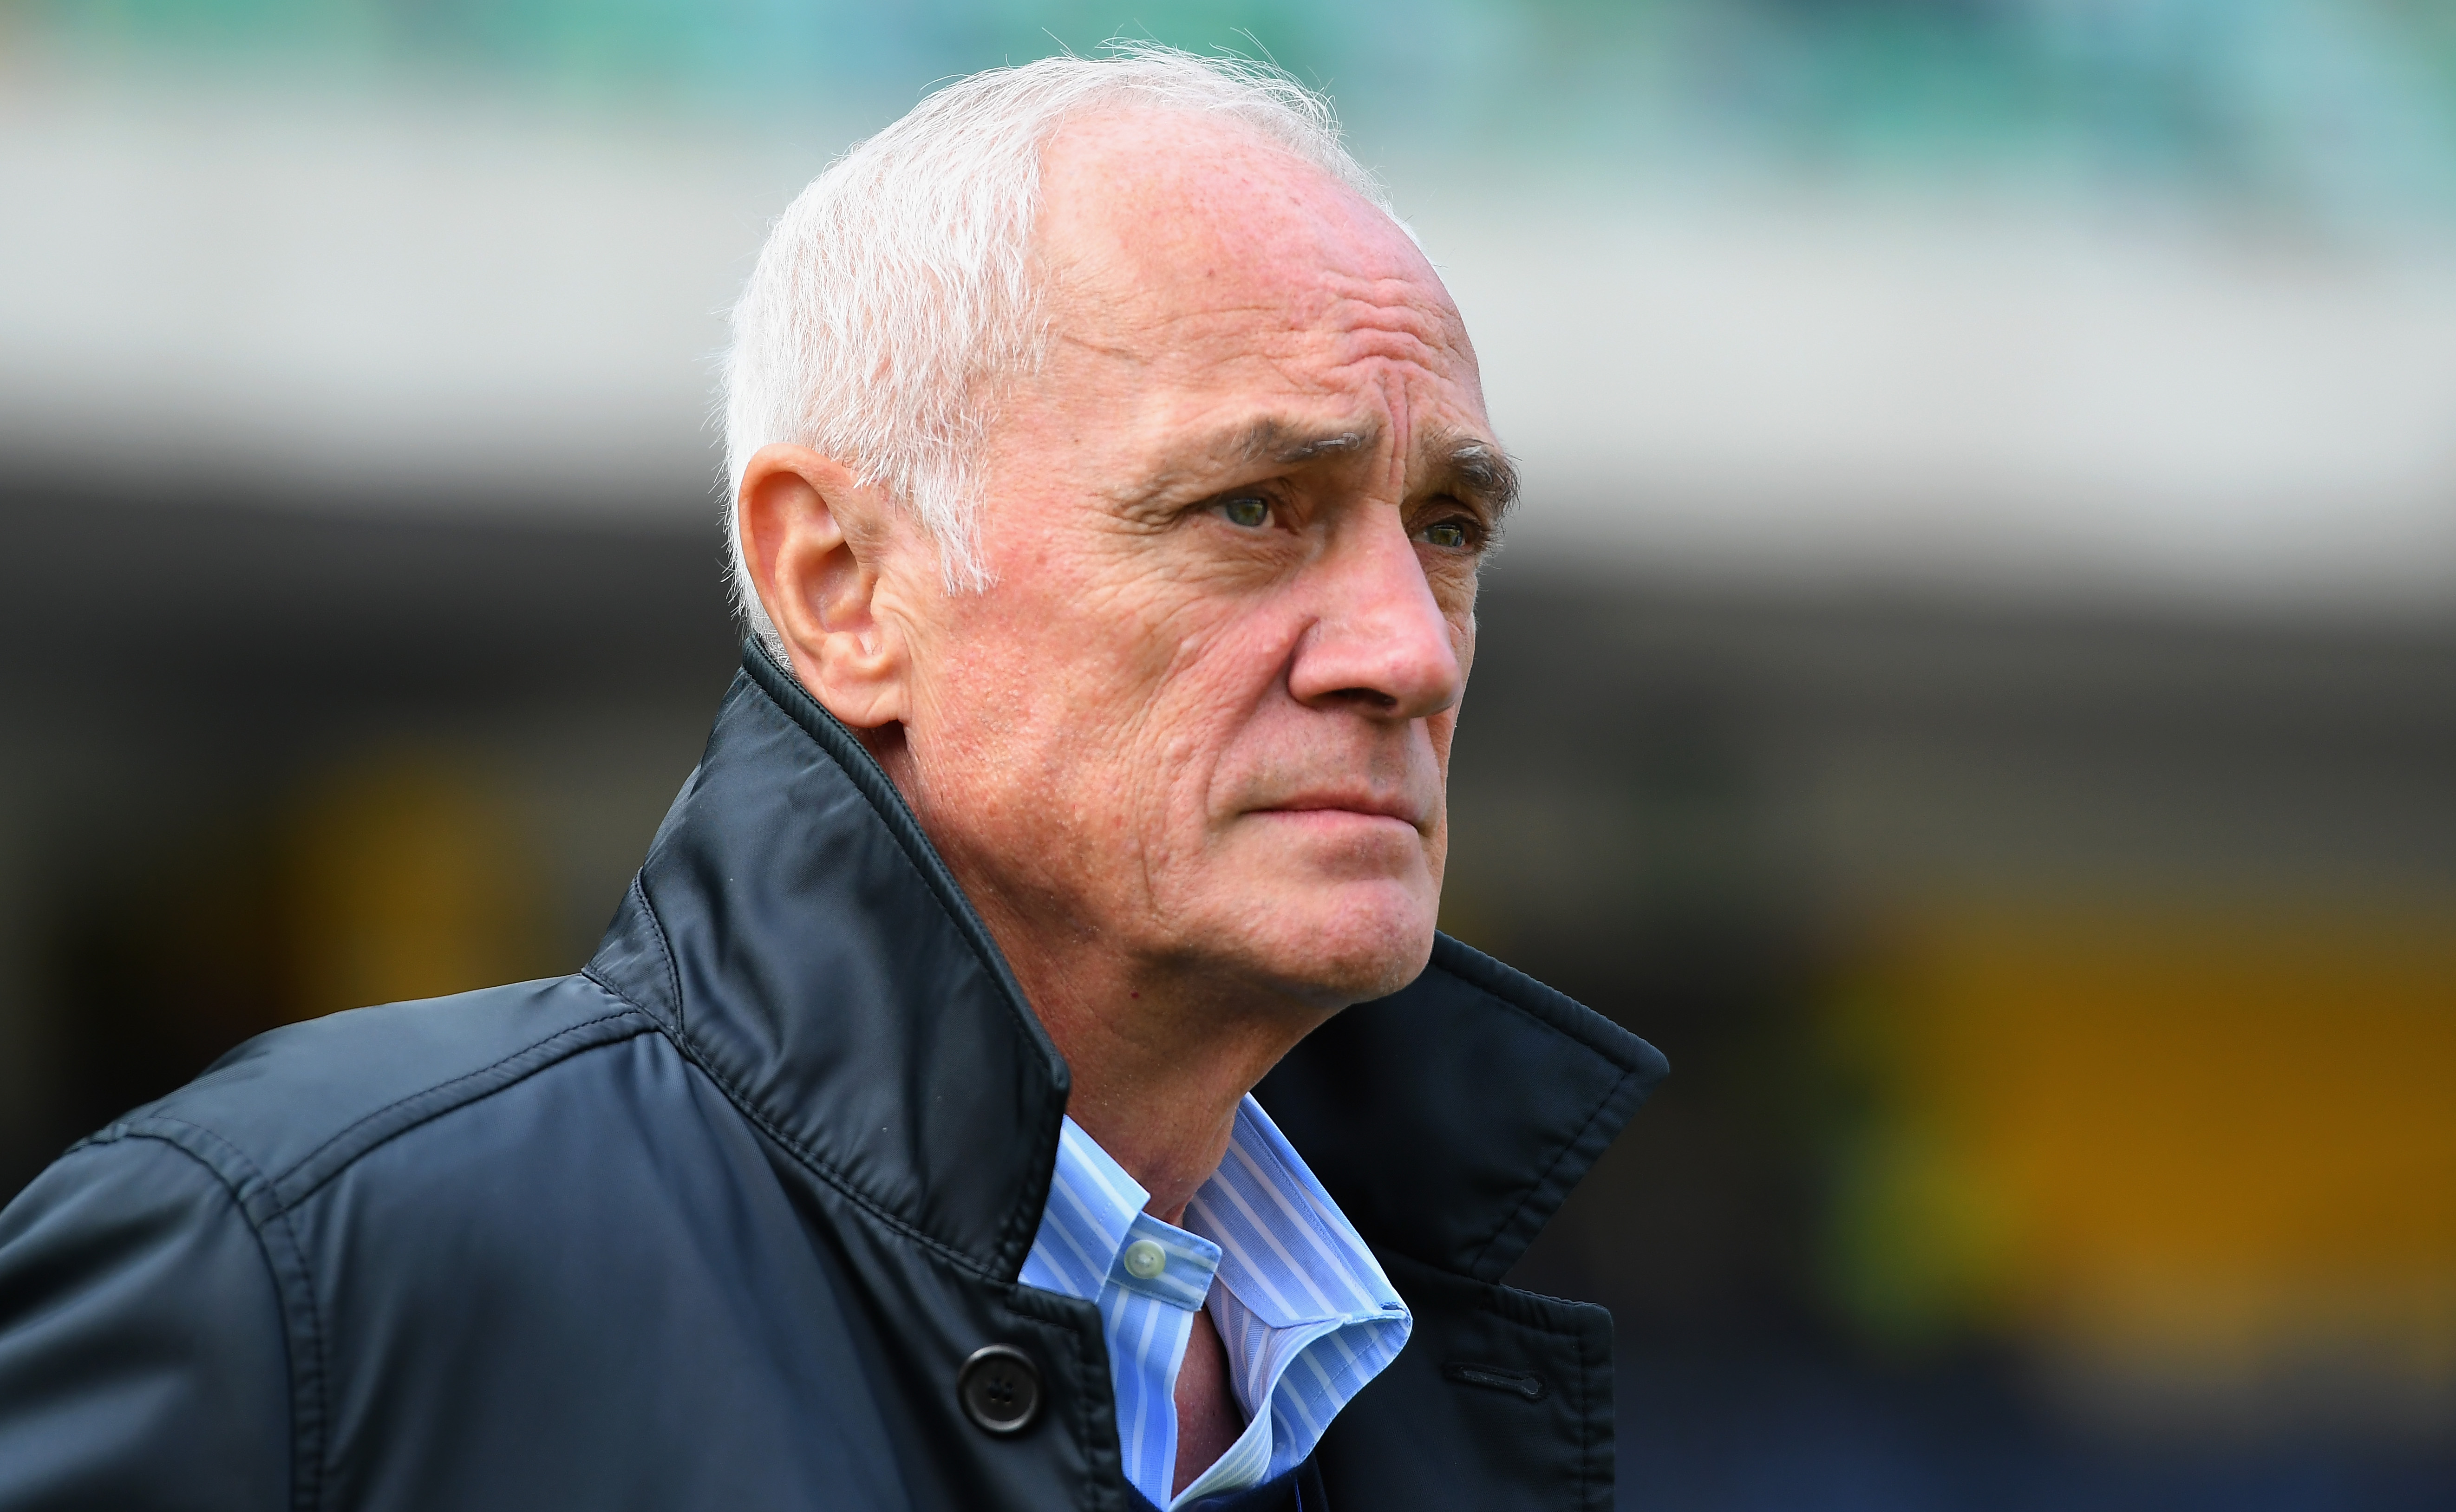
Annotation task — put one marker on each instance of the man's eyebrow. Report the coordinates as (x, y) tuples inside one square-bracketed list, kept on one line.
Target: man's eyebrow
[(1468, 466), (1478, 470), (1273, 439), (1266, 441)]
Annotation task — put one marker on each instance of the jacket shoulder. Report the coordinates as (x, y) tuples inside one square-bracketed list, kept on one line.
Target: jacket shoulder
[(288, 1108)]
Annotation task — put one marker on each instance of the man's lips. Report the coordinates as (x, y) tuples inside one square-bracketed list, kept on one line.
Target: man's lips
[(1371, 805)]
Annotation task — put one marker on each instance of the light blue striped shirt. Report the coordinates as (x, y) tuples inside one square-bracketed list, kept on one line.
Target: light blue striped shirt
[(1302, 1309)]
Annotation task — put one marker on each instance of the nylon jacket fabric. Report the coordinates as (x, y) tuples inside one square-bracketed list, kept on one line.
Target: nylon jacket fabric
[(716, 1221)]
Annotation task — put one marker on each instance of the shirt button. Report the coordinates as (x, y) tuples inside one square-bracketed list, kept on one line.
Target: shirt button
[(1145, 1259)]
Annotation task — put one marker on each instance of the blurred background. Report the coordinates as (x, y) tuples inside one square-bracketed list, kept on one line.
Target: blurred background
[(1974, 680)]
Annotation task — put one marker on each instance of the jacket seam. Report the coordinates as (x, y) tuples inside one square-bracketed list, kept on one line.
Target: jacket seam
[(1103, 1491), (448, 1106), (1487, 1290), (665, 952), (930, 869), (1643, 1075), (1606, 1419), (1552, 1167), (1524, 1010), (1564, 1332), (308, 1448), (1602, 1457), (1588, 1429), (1538, 1019), (1594, 1489), (744, 1105)]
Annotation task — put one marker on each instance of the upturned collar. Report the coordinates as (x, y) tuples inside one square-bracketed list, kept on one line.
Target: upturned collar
[(801, 940)]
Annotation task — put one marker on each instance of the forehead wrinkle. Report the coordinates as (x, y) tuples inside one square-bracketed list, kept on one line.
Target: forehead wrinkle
[(1403, 314)]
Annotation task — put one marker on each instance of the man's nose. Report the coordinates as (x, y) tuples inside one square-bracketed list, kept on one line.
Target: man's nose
[(1379, 641)]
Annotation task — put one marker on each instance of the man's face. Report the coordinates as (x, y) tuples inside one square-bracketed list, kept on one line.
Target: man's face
[(1202, 716)]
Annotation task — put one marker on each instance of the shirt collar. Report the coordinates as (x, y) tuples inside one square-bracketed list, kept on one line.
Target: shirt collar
[(1095, 1216), (1303, 1311), (1263, 1224), (1287, 1253)]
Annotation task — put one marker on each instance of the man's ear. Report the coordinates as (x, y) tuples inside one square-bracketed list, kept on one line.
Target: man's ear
[(813, 541)]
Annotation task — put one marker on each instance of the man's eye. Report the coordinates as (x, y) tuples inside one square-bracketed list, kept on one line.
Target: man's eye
[(1249, 510), (1450, 535)]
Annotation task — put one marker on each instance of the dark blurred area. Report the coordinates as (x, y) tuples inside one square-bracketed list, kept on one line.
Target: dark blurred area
[(307, 762), (2062, 1009), (1975, 680)]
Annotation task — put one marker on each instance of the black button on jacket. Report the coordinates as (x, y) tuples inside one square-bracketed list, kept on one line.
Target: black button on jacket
[(717, 1222)]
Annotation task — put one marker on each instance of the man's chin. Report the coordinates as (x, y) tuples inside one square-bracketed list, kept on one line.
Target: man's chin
[(1361, 941)]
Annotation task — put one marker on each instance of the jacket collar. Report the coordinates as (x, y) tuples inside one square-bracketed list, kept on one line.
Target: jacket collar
[(799, 937)]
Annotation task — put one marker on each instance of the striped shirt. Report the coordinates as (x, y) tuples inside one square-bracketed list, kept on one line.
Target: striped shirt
[(1302, 1310)]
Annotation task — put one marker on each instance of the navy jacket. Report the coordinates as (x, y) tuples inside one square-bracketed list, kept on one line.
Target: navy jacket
[(718, 1221)]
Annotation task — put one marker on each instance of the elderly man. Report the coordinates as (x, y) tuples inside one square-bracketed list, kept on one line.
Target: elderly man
[(1024, 1073)]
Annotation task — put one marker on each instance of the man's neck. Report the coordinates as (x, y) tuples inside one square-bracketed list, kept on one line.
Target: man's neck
[(1158, 1070), (1161, 1054)]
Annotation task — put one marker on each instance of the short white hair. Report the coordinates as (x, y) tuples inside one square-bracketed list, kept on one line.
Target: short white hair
[(896, 297)]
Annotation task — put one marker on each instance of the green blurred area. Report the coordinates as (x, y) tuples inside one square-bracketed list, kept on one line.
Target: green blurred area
[(2338, 110)]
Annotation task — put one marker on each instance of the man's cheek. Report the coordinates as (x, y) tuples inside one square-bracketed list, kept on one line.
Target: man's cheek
[(1461, 621)]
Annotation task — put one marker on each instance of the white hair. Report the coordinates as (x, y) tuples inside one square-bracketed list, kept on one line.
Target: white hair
[(897, 295)]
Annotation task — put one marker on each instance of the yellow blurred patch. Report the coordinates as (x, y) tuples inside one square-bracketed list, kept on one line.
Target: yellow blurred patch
[(2195, 1149), (407, 876)]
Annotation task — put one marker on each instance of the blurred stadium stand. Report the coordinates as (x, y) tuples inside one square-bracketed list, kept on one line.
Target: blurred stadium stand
[(1974, 680)]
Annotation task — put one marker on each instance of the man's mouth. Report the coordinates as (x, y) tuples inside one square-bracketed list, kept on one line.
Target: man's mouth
[(1361, 804)]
